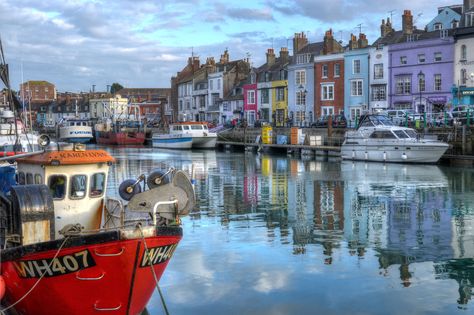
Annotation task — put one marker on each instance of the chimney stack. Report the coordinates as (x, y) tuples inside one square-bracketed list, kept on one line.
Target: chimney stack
[(386, 28), (353, 44), (284, 54), (328, 44), (270, 57), (299, 41), (363, 42), (225, 57), (407, 22)]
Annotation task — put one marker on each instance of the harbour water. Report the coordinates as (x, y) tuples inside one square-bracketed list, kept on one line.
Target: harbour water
[(281, 235)]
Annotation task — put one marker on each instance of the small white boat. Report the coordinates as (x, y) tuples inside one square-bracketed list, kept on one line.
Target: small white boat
[(377, 139), (201, 136), (75, 130), (172, 141)]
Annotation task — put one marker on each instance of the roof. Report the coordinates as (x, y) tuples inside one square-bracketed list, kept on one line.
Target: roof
[(398, 37), (68, 157), (313, 48)]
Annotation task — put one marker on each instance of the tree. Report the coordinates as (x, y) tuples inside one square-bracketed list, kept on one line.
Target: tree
[(115, 88)]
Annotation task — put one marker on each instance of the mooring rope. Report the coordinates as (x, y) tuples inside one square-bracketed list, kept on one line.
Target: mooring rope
[(2, 311), (153, 271)]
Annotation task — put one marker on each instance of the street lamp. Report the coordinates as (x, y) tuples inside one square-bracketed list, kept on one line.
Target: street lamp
[(302, 104), (420, 81)]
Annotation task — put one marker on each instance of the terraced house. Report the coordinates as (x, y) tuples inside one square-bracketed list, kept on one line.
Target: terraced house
[(272, 83)]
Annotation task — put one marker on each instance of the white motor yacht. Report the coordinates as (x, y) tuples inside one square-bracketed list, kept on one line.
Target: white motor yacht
[(198, 131), (378, 139)]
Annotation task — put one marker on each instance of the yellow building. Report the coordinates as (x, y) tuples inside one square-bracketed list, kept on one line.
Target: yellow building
[(280, 101), (109, 107)]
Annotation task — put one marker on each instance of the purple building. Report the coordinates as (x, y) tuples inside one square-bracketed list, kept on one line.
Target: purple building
[(421, 72)]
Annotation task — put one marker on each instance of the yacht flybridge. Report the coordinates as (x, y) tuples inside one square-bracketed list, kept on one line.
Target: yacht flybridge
[(378, 139)]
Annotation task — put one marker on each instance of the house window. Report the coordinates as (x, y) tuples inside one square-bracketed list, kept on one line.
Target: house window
[(463, 76), (283, 74), (454, 24), (421, 82), (403, 60), (300, 77), (438, 56), (301, 98), (421, 58), (180, 105), (438, 26), (304, 58), (218, 84), (403, 84), (327, 110), (327, 92), (379, 92), (356, 87), (378, 71), (325, 71), (437, 82), (251, 97), (356, 66), (264, 95), (463, 53), (337, 70), (211, 84), (280, 94)]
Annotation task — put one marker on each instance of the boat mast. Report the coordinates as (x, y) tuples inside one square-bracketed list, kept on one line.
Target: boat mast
[(6, 80)]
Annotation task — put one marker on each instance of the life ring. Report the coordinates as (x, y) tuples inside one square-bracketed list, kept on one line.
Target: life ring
[(128, 189)]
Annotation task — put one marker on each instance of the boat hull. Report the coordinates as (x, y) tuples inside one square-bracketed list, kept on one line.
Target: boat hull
[(76, 134), (166, 141), (91, 274), (204, 142), (120, 138), (396, 153)]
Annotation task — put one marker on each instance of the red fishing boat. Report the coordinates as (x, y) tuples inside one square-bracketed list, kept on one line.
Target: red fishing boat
[(67, 249), (121, 130)]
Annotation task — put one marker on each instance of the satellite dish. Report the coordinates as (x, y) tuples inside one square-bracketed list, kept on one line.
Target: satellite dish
[(472, 75)]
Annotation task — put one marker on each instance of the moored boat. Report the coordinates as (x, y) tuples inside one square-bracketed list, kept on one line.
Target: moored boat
[(75, 130), (378, 139), (202, 137), (67, 249)]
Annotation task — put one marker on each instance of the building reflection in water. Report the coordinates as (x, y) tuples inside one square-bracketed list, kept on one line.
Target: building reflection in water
[(405, 214)]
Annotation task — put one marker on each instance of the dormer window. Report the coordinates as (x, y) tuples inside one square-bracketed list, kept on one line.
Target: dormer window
[(438, 26)]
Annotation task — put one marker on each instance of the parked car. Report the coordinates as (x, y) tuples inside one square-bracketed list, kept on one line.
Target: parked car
[(461, 112), (338, 121)]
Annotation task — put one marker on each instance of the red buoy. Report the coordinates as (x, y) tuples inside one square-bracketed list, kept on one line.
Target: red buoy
[(2, 287)]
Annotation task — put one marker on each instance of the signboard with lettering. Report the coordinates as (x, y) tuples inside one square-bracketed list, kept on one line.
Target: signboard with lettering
[(58, 266)]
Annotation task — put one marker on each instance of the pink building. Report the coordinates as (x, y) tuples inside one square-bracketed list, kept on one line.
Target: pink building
[(250, 101)]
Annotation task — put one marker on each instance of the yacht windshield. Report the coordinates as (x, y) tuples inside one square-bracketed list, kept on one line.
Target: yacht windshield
[(401, 134), (375, 120), (411, 133)]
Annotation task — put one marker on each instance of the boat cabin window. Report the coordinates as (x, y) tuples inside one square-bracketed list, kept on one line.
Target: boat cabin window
[(196, 127), (178, 128), (21, 178), (186, 128), (401, 134), (38, 179), (97, 185), (57, 186), (382, 134), (29, 178), (78, 186)]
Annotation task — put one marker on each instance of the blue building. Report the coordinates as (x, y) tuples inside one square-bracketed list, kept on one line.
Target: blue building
[(447, 18), (356, 78)]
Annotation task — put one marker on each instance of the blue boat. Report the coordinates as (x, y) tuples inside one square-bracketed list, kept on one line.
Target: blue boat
[(172, 141)]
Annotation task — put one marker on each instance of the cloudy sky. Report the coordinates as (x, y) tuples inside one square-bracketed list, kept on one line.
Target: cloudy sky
[(75, 44)]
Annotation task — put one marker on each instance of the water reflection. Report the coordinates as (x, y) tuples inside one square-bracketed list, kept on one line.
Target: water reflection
[(392, 227)]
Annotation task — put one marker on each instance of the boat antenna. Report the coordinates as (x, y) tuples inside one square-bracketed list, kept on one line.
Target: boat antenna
[(12, 100)]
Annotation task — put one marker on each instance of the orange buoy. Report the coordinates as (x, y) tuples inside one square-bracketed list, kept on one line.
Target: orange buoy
[(2, 287)]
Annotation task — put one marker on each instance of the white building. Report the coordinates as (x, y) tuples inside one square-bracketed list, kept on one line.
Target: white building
[(378, 77)]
